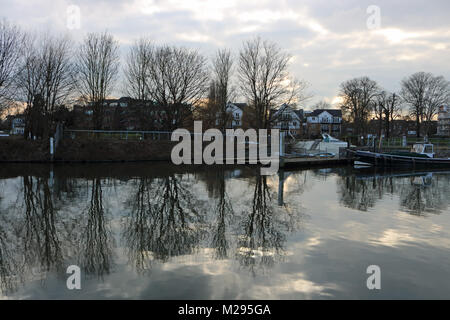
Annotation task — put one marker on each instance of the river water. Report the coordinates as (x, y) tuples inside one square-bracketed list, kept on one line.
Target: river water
[(154, 231)]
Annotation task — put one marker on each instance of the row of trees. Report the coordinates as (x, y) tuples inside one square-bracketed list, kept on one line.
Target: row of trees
[(48, 71), (420, 97)]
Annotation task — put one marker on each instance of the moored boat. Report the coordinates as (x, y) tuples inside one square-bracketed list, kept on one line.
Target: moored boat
[(421, 154)]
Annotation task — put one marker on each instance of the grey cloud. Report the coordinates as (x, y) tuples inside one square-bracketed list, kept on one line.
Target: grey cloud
[(330, 40)]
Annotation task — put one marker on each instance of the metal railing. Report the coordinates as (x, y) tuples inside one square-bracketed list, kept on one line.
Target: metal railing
[(130, 135), (117, 134)]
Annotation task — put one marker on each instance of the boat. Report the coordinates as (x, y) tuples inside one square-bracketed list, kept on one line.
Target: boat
[(328, 147), (421, 155)]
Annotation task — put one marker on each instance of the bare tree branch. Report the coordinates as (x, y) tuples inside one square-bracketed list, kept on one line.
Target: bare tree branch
[(358, 97), (11, 45), (424, 93), (264, 79), (98, 65)]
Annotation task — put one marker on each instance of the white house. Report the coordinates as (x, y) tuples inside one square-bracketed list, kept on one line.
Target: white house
[(236, 111), (324, 121), (288, 119), (18, 126), (443, 128)]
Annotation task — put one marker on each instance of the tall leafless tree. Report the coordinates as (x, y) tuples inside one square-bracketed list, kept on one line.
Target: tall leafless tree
[(392, 111), (264, 79), (379, 105), (358, 97), (178, 81), (222, 73), (137, 69), (98, 66), (46, 76), (424, 93), (11, 44)]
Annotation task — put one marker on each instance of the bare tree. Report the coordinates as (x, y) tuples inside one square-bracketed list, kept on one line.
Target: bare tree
[(322, 105), (424, 93), (379, 105), (11, 43), (178, 81), (392, 110), (438, 95), (358, 96), (45, 81), (209, 112), (222, 72), (264, 79), (138, 68), (98, 65)]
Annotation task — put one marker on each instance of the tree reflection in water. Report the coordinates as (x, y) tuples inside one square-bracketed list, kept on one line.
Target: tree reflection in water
[(10, 269), (165, 221), (418, 194), (424, 195), (165, 217), (137, 229), (223, 210), (31, 235), (263, 229), (96, 241), (41, 241)]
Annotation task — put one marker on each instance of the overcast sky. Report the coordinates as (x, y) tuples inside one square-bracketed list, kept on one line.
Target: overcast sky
[(330, 41)]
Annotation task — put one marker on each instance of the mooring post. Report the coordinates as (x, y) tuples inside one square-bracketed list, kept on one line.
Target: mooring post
[(281, 144), (280, 187), (52, 148)]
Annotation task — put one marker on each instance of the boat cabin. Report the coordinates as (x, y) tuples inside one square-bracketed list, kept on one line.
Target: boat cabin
[(423, 148)]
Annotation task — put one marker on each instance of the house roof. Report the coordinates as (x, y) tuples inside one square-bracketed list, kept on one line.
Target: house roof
[(240, 105), (333, 112), (298, 112)]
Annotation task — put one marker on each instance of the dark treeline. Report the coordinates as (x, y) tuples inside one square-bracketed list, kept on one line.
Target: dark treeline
[(49, 73), (419, 99)]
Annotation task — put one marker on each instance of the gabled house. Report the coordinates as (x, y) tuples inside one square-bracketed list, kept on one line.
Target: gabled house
[(324, 121), (235, 112), (287, 119)]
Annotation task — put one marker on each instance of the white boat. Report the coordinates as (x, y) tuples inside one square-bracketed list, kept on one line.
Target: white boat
[(327, 146)]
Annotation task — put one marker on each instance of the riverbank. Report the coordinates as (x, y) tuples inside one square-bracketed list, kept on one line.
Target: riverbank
[(20, 150)]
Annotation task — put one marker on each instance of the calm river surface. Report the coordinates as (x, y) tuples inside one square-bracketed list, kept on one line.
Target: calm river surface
[(153, 231)]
